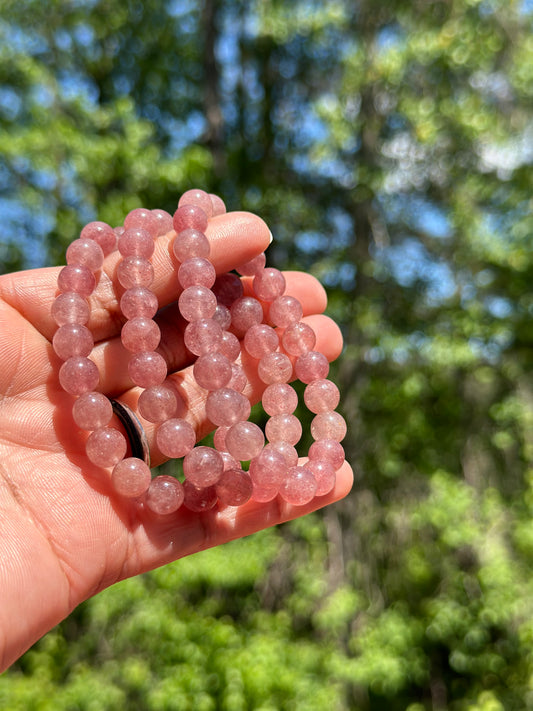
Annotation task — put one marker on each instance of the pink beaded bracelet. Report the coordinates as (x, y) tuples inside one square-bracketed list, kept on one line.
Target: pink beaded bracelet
[(221, 322)]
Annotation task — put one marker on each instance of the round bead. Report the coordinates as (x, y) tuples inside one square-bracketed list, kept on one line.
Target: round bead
[(189, 217), (299, 486), (285, 310), (203, 466), (87, 252), (274, 368), (238, 380), (197, 302), (229, 345), (140, 334), (147, 368), (163, 221), (196, 271), (106, 446), (244, 440), (287, 428), (175, 437), (269, 284), (298, 338), (203, 336), (327, 449), (321, 395), (245, 312), (252, 266), (77, 278), (226, 407), (260, 339), (228, 288), (92, 410), (78, 375), (218, 205), (268, 469), (70, 308), (142, 218), (157, 403), (324, 473), (135, 271), (72, 339), (199, 198), (102, 233), (199, 500), (234, 488), (136, 242), (310, 366), (190, 243), (165, 495), (229, 461), (219, 438), (138, 301), (263, 495), (328, 425), (288, 451), (279, 399), (212, 371), (222, 316), (131, 477)]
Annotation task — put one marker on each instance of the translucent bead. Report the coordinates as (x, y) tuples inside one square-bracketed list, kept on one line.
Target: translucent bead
[(190, 243), (260, 340), (230, 346), (78, 375), (218, 205), (328, 425), (135, 271), (245, 312), (285, 310), (105, 446), (299, 486), (238, 380), (199, 198), (72, 339), (288, 451), (252, 266), (234, 488), (138, 301), (175, 437), (229, 461), (327, 449), (157, 403), (244, 440), (136, 242), (140, 334), (102, 233), (263, 495), (147, 368), (321, 395), (310, 366), (164, 222), (203, 466), (298, 338), (70, 308), (131, 477), (87, 252), (92, 410), (199, 500), (196, 271), (268, 469), (189, 217), (119, 230), (212, 371), (77, 278), (279, 399), (324, 473), (228, 288), (165, 495), (203, 336), (197, 302), (286, 428), (226, 407), (142, 218), (222, 316), (274, 368), (219, 438), (268, 284)]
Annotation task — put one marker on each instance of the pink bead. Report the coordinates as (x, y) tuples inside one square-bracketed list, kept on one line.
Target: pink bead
[(203, 466), (165, 495), (197, 302), (147, 368), (268, 469), (260, 340), (102, 233), (199, 500), (138, 301), (135, 271), (252, 266), (175, 437), (92, 410), (77, 278), (70, 308), (119, 230), (189, 217), (199, 198), (196, 271), (298, 338), (244, 440), (327, 449), (228, 288), (324, 473), (157, 403), (131, 477), (299, 486), (279, 399), (163, 221), (229, 461), (218, 205), (72, 339), (230, 345), (274, 368), (238, 380), (286, 428), (106, 446), (226, 407), (285, 310), (219, 438), (212, 371), (222, 316), (321, 396), (245, 312), (263, 495), (87, 252), (328, 425), (288, 451), (311, 366), (136, 242), (190, 243), (202, 336), (142, 218), (234, 488), (78, 375), (140, 334), (268, 284)]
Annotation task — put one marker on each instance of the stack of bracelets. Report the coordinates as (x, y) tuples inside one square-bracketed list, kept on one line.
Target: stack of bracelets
[(221, 322)]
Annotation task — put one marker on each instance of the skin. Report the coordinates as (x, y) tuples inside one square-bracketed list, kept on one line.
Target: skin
[(64, 535)]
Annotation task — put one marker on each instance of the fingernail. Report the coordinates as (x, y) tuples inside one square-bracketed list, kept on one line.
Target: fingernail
[(271, 237)]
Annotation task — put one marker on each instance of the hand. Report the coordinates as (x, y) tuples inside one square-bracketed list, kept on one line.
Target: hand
[(64, 535)]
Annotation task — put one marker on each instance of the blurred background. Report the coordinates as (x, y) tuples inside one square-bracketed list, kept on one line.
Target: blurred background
[(389, 146)]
